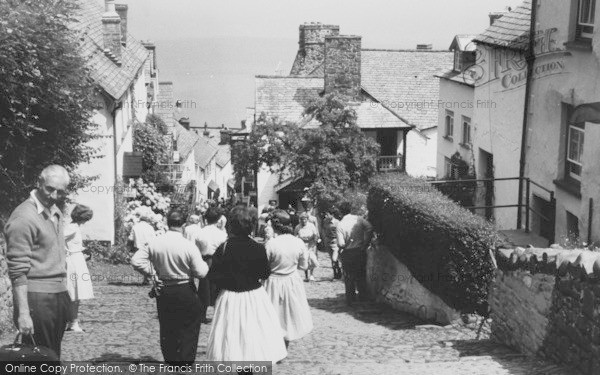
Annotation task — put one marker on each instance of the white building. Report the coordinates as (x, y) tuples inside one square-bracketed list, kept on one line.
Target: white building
[(116, 61)]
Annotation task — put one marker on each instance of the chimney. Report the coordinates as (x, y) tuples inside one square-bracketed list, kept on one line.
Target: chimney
[(342, 65), (111, 31), (495, 15), (185, 122), (122, 12), (224, 135), (151, 47), (206, 133), (311, 50), (424, 47)]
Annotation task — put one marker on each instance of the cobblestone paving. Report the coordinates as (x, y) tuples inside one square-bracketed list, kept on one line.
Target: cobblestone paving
[(121, 325)]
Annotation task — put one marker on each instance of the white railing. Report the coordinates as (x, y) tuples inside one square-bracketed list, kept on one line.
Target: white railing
[(390, 163)]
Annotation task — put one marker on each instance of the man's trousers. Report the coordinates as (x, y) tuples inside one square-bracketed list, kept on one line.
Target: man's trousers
[(50, 313), (179, 310), (354, 262)]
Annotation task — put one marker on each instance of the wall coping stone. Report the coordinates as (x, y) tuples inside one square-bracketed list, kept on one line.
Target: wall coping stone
[(580, 264)]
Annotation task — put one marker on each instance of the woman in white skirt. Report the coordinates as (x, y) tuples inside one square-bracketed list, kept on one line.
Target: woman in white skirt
[(79, 283), (285, 286), (309, 233), (245, 325)]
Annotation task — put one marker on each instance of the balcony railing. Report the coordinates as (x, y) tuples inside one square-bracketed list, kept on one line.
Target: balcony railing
[(393, 163)]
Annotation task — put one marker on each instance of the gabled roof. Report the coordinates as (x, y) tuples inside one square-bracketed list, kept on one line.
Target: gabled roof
[(223, 155), (186, 140), (463, 42), (205, 150), (404, 81), (114, 79), (509, 31)]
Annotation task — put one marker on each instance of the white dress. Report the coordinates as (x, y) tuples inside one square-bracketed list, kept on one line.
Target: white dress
[(285, 287), (245, 325), (79, 282)]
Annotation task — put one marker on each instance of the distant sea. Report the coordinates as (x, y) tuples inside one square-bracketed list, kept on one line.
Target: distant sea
[(214, 77)]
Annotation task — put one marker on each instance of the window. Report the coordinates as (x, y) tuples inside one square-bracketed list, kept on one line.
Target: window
[(447, 168), (466, 131), (585, 19), (575, 138), (572, 227), (458, 66), (449, 124)]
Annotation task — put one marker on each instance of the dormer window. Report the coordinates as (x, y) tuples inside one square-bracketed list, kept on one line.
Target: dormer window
[(463, 60), (585, 19)]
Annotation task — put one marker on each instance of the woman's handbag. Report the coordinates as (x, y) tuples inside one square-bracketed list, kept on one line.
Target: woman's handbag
[(19, 352)]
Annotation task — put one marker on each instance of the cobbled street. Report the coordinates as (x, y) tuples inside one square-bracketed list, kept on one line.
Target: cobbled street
[(121, 325)]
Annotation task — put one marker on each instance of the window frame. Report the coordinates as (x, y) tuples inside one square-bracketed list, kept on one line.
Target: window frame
[(580, 128), (466, 121), (581, 34), (449, 134)]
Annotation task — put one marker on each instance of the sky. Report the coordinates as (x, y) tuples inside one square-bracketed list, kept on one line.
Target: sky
[(212, 50)]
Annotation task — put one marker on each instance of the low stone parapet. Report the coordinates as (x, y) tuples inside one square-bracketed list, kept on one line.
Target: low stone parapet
[(392, 283), (547, 302)]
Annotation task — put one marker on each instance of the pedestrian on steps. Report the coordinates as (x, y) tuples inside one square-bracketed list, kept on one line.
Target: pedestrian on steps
[(284, 285), (79, 283)]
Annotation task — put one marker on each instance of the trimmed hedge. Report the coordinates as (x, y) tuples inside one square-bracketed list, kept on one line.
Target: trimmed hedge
[(446, 247)]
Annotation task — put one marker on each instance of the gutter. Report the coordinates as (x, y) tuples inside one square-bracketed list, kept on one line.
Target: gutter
[(530, 61), (113, 114)]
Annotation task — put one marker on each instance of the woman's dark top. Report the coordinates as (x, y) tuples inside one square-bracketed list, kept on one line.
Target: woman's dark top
[(239, 264)]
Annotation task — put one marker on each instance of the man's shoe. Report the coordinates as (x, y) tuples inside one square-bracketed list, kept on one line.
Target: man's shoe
[(206, 321), (311, 278), (74, 327)]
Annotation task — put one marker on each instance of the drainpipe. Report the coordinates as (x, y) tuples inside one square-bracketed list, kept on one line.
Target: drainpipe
[(530, 57), (113, 114)]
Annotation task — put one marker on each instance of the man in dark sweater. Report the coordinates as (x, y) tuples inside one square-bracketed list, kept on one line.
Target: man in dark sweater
[(36, 261)]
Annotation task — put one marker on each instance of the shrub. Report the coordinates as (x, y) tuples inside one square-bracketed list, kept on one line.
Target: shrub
[(446, 247), (104, 252)]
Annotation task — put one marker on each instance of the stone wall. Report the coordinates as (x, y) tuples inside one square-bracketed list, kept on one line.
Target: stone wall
[(6, 301), (311, 52), (342, 65), (391, 282), (547, 302)]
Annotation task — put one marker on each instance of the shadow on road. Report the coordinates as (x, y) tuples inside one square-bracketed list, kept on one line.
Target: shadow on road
[(505, 356), (367, 312)]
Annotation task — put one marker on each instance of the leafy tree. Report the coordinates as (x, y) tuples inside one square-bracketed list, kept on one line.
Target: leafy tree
[(333, 156), (46, 95), (150, 138)]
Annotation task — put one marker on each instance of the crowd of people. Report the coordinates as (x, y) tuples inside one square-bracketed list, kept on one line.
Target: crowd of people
[(259, 299)]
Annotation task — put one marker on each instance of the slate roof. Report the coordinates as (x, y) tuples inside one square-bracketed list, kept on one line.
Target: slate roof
[(405, 82), (186, 140), (402, 84), (463, 42), (205, 150), (114, 79), (509, 31), (223, 155), (285, 97)]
